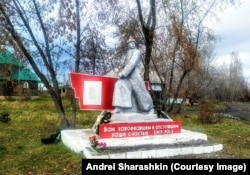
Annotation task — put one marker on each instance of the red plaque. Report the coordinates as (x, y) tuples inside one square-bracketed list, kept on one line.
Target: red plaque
[(139, 129)]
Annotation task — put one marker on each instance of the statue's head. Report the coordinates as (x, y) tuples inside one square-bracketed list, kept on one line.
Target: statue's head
[(131, 39), (131, 43)]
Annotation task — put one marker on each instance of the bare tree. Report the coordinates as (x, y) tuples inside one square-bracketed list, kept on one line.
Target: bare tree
[(229, 83), (235, 77)]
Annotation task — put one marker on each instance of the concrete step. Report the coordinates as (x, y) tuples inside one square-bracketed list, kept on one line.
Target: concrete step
[(159, 146)]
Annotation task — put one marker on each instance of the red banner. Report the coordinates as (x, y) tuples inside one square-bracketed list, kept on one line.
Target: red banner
[(139, 129), (94, 92)]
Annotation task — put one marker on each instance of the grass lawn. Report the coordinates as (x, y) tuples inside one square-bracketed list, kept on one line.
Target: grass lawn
[(21, 151)]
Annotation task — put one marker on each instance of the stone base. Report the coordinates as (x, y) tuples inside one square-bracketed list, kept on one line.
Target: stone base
[(159, 146)]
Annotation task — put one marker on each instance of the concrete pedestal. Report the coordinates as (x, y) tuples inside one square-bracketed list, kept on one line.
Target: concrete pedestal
[(159, 146)]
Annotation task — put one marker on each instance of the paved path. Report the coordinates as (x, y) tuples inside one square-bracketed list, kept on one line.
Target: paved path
[(238, 110)]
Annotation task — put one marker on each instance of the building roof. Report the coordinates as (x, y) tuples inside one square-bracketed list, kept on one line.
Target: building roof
[(9, 59), (24, 75), (19, 72)]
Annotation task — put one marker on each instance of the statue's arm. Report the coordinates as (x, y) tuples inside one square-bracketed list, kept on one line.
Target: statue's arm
[(133, 62)]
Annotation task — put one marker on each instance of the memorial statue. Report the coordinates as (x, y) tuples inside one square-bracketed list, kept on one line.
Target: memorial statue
[(130, 93)]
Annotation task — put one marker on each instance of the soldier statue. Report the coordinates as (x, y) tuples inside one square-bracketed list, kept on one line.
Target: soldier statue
[(130, 93)]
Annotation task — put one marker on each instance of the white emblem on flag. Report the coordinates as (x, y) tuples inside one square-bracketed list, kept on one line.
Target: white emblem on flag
[(92, 94)]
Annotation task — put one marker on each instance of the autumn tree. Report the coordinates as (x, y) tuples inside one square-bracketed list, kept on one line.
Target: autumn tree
[(185, 58), (184, 38)]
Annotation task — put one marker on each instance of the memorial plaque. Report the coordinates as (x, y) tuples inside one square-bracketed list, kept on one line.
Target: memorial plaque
[(138, 129)]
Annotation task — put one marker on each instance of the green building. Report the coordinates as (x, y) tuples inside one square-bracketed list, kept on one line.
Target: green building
[(15, 79)]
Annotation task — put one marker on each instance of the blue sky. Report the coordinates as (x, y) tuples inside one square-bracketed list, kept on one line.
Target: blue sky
[(233, 28)]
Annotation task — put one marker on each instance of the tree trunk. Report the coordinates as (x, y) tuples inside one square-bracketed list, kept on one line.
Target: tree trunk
[(77, 61), (177, 90), (59, 107), (148, 29)]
